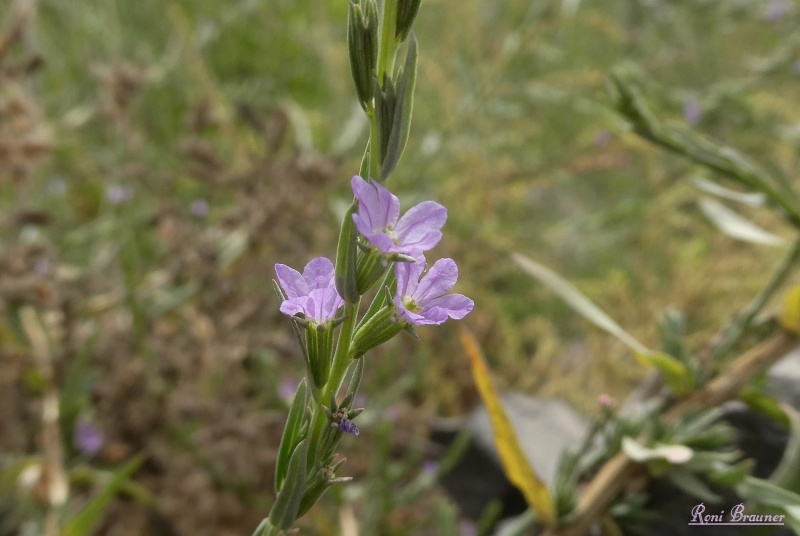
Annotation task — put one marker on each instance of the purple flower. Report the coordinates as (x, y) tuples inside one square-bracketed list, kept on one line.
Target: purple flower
[(287, 388), (313, 294), (797, 66), (421, 300), (118, 194), (692, 111), (88, 438), (777, 9), (199, 208), (348, 426), (378, 220), (602, 138)]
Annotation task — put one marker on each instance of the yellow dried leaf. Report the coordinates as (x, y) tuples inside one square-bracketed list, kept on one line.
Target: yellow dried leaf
[(514, 462), (789, 317)]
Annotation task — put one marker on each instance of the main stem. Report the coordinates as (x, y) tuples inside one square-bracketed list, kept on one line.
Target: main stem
[(341, 360)]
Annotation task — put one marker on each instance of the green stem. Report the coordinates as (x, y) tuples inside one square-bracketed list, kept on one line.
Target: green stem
[(341, 360), (743, 322)]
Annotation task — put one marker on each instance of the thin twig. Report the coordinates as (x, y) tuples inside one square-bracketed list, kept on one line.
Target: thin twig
[(617, 472)]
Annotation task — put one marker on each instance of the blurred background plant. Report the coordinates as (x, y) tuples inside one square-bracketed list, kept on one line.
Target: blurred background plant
[(157, 160)]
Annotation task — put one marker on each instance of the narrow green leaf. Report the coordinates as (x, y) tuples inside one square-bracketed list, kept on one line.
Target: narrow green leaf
[(291, 433), (287, 503), (752, 199), (677, 374), (736, 226), (83, 522), (787, 474), (401, 122), (693, 486)]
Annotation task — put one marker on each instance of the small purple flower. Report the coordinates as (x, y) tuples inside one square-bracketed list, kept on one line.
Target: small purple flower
[(199, 208), (430, 467), (88, 438), (797, 66), (42, 267), (118, 194), (776, 10), (348, 426), (313, 293), (287, 388), (378, 219), (692, 111), (468, 528), (421, 299), (602, 138)]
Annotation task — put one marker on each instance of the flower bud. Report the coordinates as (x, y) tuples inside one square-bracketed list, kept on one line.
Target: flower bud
[(406, 13), (362, 44), (371, 267), (375, 331), (319, 342)]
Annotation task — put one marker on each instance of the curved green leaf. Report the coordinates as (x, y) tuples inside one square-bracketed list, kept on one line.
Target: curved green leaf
[(678, 375)]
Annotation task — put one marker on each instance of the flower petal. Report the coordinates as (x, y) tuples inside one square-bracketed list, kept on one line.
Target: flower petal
[(438, 281), (322, 305), (381, 241), (318, 273), (421, 226), (407, 275), (456, 306), (294, 306), (378, 208), (291, 281)]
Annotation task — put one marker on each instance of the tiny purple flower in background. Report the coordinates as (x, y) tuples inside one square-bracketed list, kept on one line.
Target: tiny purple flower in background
[(42, 267), (348, 426), (777, 9), (602, 138), (422, 299), (378, 220), (797, 66), (313, 293), (88, 438), (692, 111), (287, 388), (468, 528), (430, 467), (199, 208), (118, 194)]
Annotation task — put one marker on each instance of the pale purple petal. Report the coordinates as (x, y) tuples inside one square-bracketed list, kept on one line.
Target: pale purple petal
[(456, 306), (382, 241), (322, 305), (434, 316), (291, 281), (378, 208), (318, 273), (294, 306), (407, 275), (420, 227), (439, 280)]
